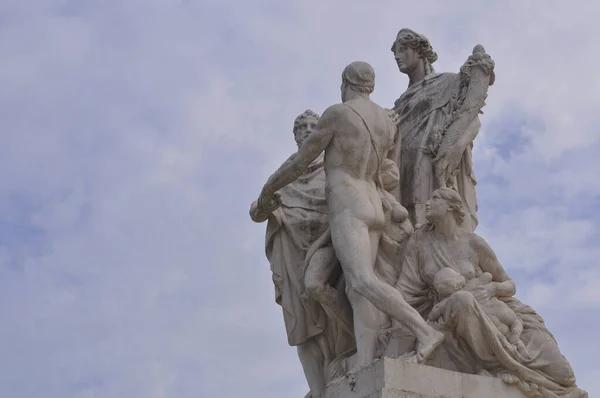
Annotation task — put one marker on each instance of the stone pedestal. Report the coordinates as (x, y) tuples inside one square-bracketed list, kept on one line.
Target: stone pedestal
[(392, 378)]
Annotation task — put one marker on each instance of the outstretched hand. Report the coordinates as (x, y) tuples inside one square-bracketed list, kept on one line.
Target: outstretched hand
[(268, 202)]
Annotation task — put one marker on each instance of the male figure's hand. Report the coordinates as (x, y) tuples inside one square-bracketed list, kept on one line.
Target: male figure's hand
[(268, 202)]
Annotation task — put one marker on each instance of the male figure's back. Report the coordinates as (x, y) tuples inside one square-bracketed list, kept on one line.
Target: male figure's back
[(363, 136)]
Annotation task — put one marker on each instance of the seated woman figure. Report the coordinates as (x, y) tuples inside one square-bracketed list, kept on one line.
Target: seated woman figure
[(472, 340)]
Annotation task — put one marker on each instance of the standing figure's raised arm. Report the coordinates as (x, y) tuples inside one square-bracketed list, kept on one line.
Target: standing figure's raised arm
[(476, 75)]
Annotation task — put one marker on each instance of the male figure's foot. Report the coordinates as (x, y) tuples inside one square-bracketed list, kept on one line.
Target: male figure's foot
[(427, 345)]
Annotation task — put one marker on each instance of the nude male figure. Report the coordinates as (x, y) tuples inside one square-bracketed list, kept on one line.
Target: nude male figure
[(356, 136)]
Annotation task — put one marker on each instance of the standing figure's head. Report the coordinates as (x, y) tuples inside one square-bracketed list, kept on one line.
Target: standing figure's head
[(304, 125), (444, 202), (412, 49), (358, 77), (447, 281)]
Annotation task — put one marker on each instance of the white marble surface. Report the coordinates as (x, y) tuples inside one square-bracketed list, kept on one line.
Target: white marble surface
[(393, 378)]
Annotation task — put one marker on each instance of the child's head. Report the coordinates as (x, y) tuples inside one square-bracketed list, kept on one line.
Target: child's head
[(447, 281)]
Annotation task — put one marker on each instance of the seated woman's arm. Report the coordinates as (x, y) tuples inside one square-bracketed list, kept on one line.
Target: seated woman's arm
[(502, 285)]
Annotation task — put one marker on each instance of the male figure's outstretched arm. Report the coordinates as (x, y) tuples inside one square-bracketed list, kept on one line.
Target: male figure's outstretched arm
[(296, 164)]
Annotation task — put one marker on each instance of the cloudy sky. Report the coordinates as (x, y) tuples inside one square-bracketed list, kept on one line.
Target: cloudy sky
[(136, 133)]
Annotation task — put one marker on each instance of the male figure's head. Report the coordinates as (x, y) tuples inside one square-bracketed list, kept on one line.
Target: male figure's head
[(304, 125), (447, 281), (357, 78)]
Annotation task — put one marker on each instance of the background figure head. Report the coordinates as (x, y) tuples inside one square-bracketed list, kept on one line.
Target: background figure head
[(443, 201), (358, 77), (447, 281), (410, 49), (304, 125)]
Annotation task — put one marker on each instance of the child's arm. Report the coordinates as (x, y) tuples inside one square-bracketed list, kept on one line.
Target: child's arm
[(437, 310), (481, 280)]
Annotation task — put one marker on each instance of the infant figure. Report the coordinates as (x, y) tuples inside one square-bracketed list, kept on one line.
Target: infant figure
[(447, 281)]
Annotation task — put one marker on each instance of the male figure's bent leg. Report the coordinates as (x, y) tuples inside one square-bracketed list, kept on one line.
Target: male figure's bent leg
[(356, 248), (320, 268)]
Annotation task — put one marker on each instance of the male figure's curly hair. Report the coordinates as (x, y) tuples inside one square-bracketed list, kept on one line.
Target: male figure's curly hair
[(307, 114), (420, 44)]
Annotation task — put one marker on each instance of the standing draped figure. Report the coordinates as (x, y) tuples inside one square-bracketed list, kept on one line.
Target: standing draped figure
[(438, 119), (293, 226)]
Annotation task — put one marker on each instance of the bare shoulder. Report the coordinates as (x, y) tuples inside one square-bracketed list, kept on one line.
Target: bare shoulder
[(480, 244), (335, 110), (333, 116)]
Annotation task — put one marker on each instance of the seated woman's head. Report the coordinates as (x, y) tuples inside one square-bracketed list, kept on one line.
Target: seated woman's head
[(447, 281), (442, 202)]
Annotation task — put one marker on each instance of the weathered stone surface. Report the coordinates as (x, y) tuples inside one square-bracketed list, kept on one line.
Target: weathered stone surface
[(393, 378), (361, 272), (438, 117)]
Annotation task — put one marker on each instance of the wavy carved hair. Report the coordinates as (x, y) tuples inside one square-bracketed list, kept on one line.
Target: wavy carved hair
[(303, 118), (420, 44), (454, 201)]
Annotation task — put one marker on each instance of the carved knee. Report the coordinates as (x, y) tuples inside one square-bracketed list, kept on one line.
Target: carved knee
[(362, 285), (312, 284), (314, 289)]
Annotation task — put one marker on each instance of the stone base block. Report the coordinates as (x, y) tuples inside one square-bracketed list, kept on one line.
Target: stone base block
[(393, 378)]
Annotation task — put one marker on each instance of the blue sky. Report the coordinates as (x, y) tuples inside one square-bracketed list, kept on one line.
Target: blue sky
[(136, 133)]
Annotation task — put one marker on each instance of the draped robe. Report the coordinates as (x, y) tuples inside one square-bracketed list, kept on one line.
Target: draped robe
[(472, 341), (291, 230), (424, 110)]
